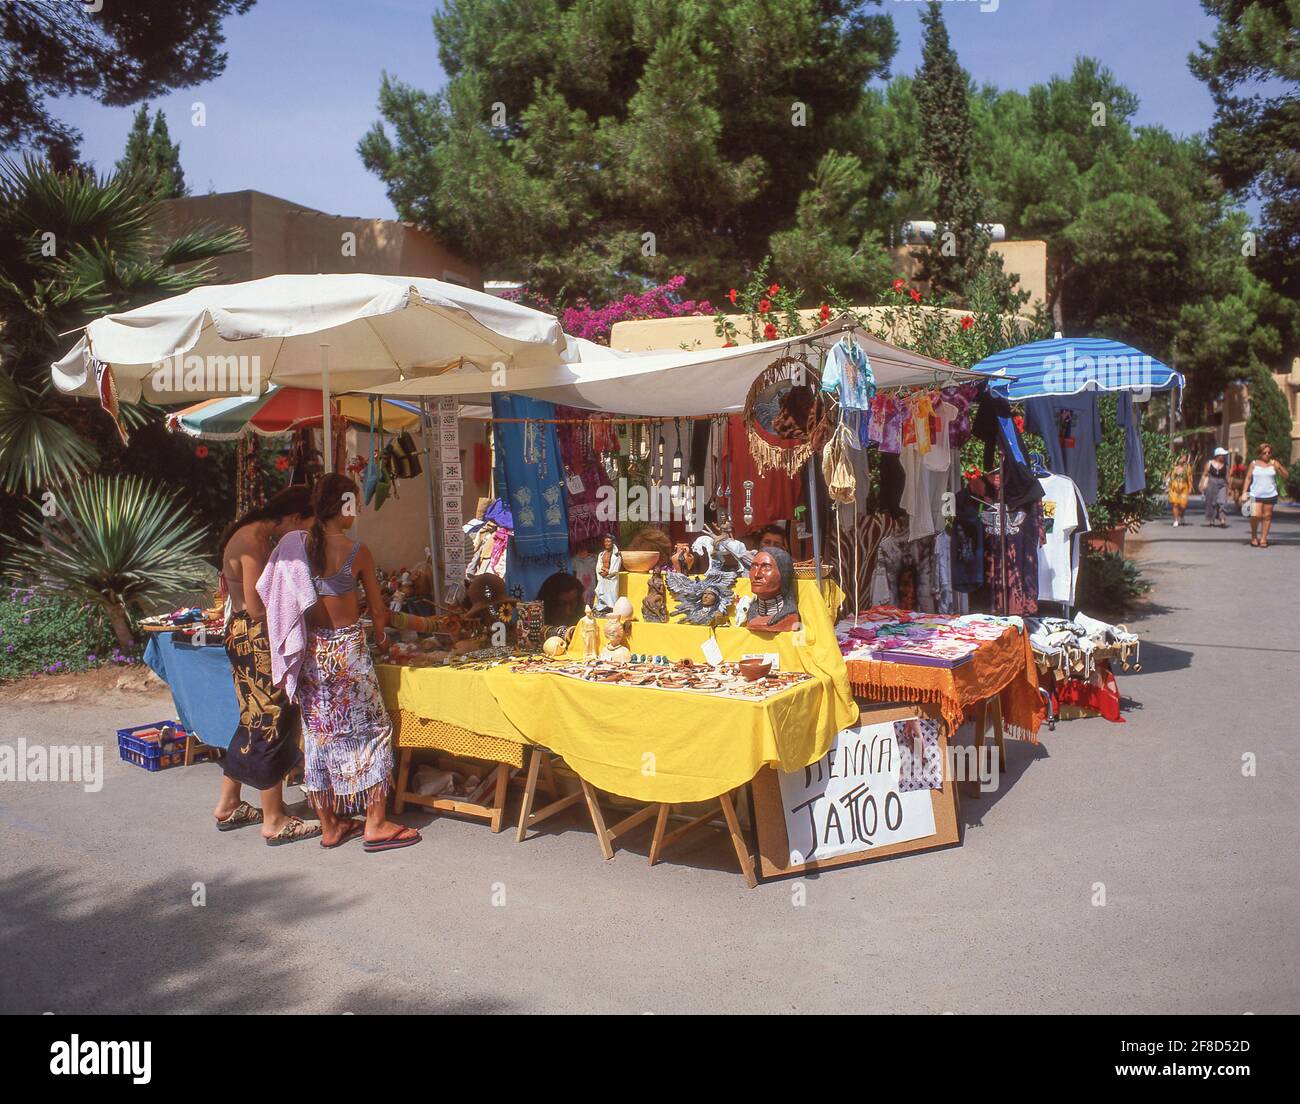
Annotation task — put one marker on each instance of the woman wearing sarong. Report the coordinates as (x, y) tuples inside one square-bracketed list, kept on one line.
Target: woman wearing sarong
[(348, 737), (265, 746)]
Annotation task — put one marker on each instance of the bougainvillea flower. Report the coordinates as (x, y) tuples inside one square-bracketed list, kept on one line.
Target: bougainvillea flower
[(967, 322)]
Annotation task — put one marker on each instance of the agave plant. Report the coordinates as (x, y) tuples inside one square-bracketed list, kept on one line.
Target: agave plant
[(119, 542), (74, 246)]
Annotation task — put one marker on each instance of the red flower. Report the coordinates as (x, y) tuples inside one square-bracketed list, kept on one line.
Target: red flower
[(898, 285), (916, 295), (773, 289), (972, 473), (824, 313), (281, 463), (764, 305), (769, 332), (732, 296), (1020, 423), (967, 322), (728, 344), (201, 452)]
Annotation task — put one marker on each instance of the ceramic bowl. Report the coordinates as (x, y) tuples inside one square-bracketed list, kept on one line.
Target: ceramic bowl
[(640, 562), (754, 669)]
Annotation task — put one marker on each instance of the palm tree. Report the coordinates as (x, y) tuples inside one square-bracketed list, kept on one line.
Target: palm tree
[(119, 542), (74, 246)]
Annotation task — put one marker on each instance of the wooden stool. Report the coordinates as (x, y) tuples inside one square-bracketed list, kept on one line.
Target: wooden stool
[(662, 840), (989, 706), (539, 763)]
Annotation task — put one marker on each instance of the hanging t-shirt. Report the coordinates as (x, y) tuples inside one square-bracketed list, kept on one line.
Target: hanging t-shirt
[(1070, 426), (1057, 564), (1022, 528), (923, 490), (939, 458)]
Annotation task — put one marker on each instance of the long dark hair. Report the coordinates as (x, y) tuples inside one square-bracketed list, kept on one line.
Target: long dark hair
[(293, 501), (328, 499)]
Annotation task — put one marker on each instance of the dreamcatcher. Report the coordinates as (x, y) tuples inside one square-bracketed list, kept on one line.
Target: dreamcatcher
[(786, 416)]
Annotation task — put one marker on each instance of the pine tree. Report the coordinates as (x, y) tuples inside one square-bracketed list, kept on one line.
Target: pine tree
[(152, 157), (592, 146), (947, 137)]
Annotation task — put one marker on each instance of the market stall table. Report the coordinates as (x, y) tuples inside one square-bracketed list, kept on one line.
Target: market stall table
[(201, 685), (647, 744)]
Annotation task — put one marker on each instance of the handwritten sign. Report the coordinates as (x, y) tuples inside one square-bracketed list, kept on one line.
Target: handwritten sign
[(849, 801)]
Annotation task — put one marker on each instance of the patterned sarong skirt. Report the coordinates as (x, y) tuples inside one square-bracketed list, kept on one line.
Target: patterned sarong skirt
[(347, 735), (265, 746)]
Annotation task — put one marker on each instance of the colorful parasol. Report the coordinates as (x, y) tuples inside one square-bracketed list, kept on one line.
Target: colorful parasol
[(281, 410)]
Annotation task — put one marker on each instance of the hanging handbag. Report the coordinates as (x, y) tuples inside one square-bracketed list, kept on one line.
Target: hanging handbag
[(403, 457), (376, 481), (1247, 506)]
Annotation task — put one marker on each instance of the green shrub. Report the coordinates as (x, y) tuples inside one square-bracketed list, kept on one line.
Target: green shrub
[(1269, 419), (1293, 481), (1109, 582), (43, 633)]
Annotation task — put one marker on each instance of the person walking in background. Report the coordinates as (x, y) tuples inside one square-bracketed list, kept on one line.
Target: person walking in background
[(1214, 485), (1261, 485), (1237, 478), (1180, 487)]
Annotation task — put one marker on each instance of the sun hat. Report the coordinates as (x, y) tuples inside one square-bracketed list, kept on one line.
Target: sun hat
[(1220, 451)]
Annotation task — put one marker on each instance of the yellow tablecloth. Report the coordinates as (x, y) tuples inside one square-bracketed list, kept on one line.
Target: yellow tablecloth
[(647, 744)]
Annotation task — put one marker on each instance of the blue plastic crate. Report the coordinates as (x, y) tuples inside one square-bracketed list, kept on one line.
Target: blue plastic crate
[(168, 750)]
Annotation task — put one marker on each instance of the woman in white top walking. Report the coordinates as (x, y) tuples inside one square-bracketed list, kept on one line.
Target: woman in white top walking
[(1261, 485)]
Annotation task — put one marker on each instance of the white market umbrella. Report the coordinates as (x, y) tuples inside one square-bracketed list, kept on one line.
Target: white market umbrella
[(224, 339), (682, 382)]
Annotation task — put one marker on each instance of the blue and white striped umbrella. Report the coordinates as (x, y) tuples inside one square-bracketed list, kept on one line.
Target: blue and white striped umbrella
[(1069, 365)]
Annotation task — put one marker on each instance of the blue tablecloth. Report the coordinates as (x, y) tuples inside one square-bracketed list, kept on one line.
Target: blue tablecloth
[(202, 687)]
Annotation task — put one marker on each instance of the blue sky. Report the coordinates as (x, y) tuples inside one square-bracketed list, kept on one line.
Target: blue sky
[(301, 84)]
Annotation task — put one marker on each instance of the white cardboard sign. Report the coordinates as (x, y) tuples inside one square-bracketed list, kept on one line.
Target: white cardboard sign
[(849, 800)]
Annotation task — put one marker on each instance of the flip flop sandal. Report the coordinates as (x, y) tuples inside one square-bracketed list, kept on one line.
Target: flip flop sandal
[(393, 842), (355, 828), (296, 829), (244, 814)]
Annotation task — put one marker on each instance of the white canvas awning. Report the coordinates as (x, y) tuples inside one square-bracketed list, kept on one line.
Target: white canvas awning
[(676, 384), (379, 329)]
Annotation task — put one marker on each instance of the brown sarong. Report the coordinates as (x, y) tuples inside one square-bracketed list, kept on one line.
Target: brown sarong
[(265, 746)]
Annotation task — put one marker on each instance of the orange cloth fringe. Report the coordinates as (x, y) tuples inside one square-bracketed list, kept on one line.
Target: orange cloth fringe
[(1004, 667)]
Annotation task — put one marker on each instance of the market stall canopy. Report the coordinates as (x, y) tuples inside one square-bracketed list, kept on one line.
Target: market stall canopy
[(238, 339), (1070, 365), (278, 411), (680, 383)]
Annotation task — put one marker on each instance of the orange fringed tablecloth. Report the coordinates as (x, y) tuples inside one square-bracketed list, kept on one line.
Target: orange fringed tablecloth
[(1004, 667)]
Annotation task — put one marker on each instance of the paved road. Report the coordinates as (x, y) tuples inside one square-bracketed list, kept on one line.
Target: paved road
[(1200, 866)]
